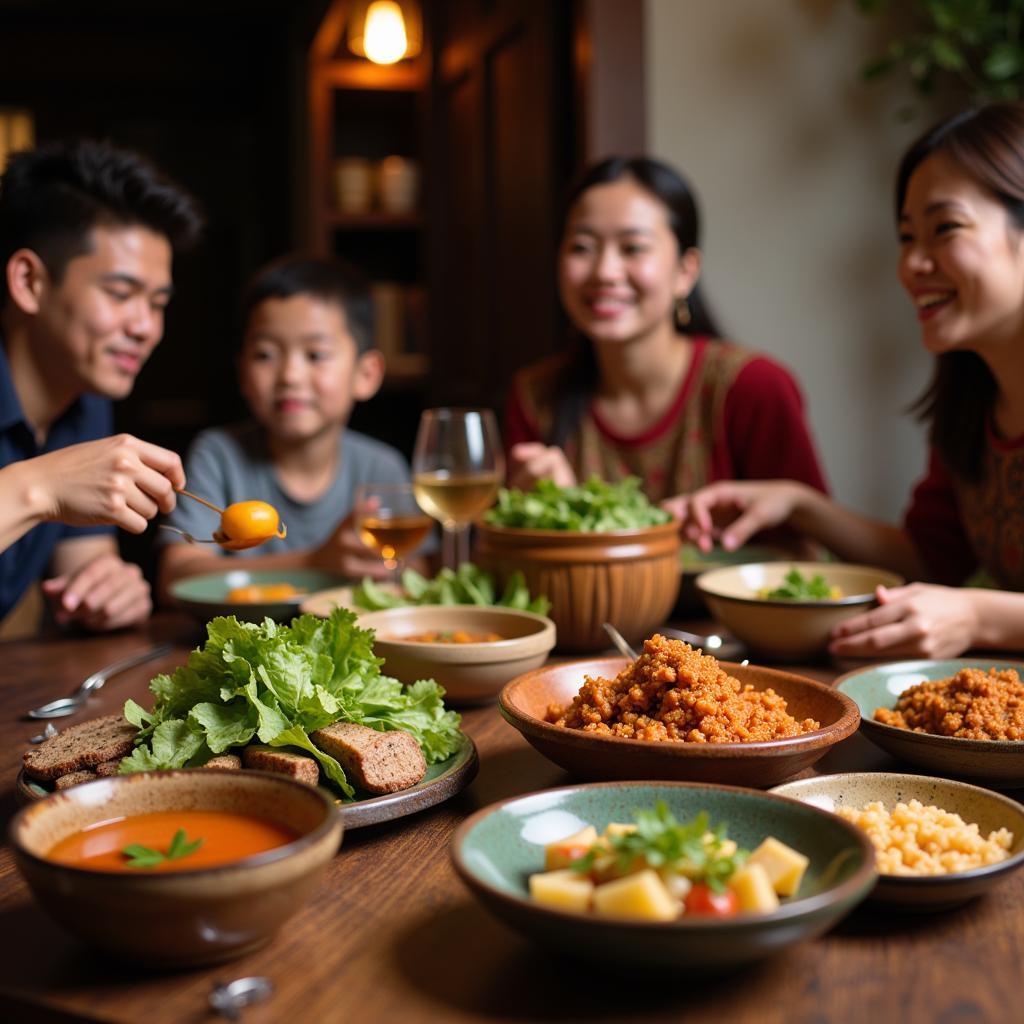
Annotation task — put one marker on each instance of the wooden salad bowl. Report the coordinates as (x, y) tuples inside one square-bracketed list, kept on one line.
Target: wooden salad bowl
[(627, 577)]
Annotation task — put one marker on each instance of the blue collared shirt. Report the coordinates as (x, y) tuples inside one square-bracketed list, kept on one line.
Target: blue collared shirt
[(89, 418)]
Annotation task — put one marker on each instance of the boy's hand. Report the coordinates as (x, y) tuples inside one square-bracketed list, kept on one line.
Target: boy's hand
[(532, 461), (106, 593), (343, 552)]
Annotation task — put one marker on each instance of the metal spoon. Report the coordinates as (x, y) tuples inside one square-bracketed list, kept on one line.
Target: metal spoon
[(726, 647), (69, 705), (621, 644)]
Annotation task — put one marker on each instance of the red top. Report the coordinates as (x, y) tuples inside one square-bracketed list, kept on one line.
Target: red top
[(737, 415), (959, 527)]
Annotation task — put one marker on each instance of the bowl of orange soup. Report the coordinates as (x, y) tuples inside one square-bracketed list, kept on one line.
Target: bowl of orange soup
[(177, 869)]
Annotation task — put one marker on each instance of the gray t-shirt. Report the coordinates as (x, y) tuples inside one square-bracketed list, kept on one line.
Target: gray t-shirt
[(228, 464)]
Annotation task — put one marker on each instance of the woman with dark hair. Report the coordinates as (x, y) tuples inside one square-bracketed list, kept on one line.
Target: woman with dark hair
[(649, 388), (960, 208)]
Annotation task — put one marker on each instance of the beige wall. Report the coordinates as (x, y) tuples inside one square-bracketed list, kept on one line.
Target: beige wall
[(760, 103)]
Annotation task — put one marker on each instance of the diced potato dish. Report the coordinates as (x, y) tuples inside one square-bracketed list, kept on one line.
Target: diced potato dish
[(783, 865), (611, 876)]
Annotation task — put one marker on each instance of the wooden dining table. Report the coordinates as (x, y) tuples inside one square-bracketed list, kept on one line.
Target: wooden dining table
[(392, 935)]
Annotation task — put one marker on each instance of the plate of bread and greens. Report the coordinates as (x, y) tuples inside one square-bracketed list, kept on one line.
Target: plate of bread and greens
[(307, 699)]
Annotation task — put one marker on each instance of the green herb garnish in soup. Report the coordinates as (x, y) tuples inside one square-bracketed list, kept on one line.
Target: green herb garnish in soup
[(797, 587), (159, 841), (593, 507)]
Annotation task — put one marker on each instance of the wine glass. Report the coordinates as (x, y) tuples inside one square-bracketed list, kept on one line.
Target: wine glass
[(457, 468), (390, 522)]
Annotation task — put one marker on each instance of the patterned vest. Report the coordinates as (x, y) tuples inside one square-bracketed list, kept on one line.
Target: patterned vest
[(674, 455), (993, 515)]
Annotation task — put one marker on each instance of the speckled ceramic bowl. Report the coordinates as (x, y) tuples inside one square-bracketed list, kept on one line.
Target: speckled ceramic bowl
[(524, 703), (471, 673), (788, 630), (989, 811), (182, 918), (1000, 762), (207, 596), (498, 848)]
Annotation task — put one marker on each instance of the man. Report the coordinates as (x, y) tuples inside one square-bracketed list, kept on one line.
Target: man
[(87, 234)]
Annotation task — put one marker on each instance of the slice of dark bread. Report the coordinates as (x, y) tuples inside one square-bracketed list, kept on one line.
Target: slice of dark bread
[(80, 746), (231, 761), (270, 759), (109, 768), (73, 779), (378, 762)]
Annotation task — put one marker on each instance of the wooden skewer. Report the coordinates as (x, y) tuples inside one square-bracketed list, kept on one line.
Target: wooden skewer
[(202, 501)]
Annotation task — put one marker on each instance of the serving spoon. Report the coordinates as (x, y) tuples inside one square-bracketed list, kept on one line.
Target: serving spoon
[(726, 647)]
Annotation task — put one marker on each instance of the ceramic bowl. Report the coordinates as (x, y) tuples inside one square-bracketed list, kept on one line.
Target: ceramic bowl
[(207, 596), (182, 918), (788, 630), (1000, 762), (629, 577), (471, 673), (524, 703), (990, 811), (498, 848), (693, 562)]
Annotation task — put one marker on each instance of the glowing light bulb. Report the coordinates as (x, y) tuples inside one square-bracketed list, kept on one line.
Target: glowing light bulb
[(384, 38)]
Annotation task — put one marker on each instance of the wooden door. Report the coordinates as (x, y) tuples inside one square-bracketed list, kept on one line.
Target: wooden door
[(503, 145)]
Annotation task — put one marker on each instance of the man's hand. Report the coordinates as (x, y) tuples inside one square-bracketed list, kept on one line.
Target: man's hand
[(119, 480), (106, 593)]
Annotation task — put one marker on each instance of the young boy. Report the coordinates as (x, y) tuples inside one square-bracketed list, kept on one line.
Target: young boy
[(86, 238), (307, 357)]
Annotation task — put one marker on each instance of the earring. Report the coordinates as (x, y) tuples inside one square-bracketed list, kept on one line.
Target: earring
[(682, 312)]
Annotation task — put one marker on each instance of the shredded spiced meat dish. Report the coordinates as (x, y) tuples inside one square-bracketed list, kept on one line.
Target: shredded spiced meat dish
[(674, 693)]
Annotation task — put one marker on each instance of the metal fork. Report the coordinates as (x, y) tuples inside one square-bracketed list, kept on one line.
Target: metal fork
[(188, 536), (69, 705)]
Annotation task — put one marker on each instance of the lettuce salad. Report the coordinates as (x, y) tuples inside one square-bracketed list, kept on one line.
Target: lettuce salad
[(276, 684)]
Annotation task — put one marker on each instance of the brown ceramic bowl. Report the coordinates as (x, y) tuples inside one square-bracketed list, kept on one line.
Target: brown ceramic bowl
[(525, 701), (628, 577), (182, 918), (788, 630), (471, 673)]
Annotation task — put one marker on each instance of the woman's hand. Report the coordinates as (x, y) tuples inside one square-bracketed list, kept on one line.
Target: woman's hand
[(919, 620), (532, 461), (732, 511)]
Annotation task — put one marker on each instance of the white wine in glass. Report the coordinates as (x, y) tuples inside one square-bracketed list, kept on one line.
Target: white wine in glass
[(457, 468), (390, 521)]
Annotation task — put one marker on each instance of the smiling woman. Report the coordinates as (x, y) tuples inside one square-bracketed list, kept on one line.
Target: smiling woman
[(960, 207), (651, 389)]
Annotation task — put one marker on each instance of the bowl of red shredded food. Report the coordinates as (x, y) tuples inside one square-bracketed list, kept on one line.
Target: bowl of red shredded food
[(676, 713), (959, 716)]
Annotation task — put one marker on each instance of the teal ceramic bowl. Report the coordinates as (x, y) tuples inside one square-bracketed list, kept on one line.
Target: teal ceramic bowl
[(1000, 762), (498, 848), (989, 811), (207, 596)]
